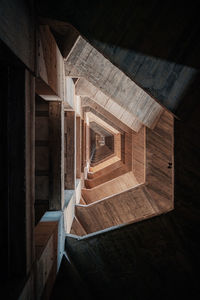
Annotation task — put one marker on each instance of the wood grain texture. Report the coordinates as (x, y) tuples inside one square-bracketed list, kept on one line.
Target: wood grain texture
[(56, 155), (50, 81), (77, 228), (101, 172), (139, 155), (86, 61), (46, 243), (42, 160), (160, 161), (108, 175), (126, 207), (70, 171), (115, 186), (30, 166), (104, 164), (85, 89), (78, 147)]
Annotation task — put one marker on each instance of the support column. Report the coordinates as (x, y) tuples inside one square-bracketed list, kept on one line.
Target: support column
[(56, 155), (78, 147), (70, 150)]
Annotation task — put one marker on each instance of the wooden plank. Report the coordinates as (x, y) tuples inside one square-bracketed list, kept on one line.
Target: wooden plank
[(115, 186), (50, 77), (69, 93), (107, 176), (46, 237), (104, 164), (159, 156), (85, 61), (105, 170), (77, 228), (70, 152), (30, 166), (125, 208), (22, 45), (139, 154), (78, 147), (56, 155), (42, 161)]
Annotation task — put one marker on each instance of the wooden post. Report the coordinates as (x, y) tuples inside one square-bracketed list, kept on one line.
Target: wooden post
[(56, 153), (70, 150), (30, 166), (78, 147)]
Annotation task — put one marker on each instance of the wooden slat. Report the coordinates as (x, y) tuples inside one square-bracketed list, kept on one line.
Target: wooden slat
[(70, 171), (77, 228), (104, 164), (56, 155), (30, 166), (159, 153), (127, 207), (46, 237), (78, 147), (86, 61), (105, 170), (50, 80), (115, 186), (113, 173), (139, 154)]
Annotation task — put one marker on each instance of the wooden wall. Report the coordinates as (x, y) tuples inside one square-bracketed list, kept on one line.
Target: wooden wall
[(70, 152), (139, 155)]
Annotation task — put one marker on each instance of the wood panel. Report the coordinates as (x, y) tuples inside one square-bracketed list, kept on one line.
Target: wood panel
[(105, 170), (85, 89), (127, 148), (106, 176), (117, 145), (56, 155), (46, 243), (77, 228), (50, 80), (115, 186), (104, 164), (160, 164), (86, 61), (30, 166), (69, 93), (70, 152), (78, 147), (139, 154), (42, 160), (127, 207)]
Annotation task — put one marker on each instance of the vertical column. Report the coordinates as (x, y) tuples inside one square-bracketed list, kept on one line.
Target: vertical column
[(78, 147), (56, 153), (70, 150), (30, 166)]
